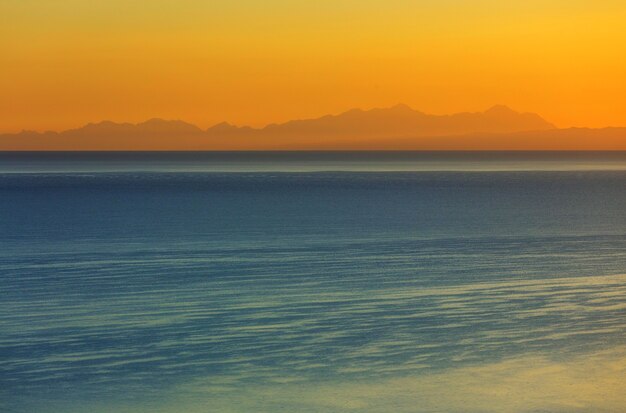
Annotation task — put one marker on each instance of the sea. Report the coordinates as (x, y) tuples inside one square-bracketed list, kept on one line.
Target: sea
[(465, 282)]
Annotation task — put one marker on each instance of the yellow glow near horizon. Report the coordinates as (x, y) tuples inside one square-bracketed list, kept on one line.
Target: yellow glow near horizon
[(253, 62)]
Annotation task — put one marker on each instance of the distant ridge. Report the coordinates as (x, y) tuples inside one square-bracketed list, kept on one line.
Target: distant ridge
[(398, 127), (401, 120)]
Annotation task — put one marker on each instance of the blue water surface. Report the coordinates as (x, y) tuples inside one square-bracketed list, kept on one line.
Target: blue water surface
[(128, 291)]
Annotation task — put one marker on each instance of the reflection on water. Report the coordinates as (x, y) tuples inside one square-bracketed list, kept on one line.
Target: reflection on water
[(338, 292), (528, 383), (313, 161)]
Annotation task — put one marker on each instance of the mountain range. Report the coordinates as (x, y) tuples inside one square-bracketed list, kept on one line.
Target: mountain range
[(395, 128)]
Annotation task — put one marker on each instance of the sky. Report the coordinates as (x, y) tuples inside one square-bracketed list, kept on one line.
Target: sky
[(254, 62)]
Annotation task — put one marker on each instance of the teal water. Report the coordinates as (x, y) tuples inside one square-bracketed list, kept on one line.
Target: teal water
[(147, 288)]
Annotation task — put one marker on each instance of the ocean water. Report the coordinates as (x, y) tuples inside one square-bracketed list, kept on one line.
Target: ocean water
[(349, 282)]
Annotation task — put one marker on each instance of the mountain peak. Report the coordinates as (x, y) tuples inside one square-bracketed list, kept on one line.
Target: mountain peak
[(160, 122), (500, 110), (402, 107), (153, 121), (222, 127), (163, 125)]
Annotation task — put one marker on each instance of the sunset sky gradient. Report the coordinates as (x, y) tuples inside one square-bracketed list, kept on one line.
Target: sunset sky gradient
[(253, 62)]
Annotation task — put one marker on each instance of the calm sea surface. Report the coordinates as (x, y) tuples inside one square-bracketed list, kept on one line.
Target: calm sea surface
[(312, 282)]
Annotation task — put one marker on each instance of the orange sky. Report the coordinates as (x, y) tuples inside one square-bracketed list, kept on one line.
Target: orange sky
[(63, 64)]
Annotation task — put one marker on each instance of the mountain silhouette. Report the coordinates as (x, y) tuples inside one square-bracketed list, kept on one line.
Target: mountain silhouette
[(401, 120), (398, 127), (155, 126)]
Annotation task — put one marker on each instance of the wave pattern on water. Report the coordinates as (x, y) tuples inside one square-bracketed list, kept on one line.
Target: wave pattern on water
[(234, 288)]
